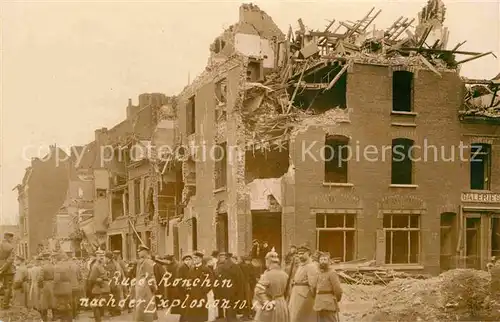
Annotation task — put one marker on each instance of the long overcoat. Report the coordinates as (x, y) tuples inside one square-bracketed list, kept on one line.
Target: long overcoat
[(145, 311), (271, 287), (302, 296), (46, 283), (34, 294), (201, 278)]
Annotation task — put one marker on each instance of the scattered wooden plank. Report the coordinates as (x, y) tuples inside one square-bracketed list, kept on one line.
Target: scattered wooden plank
[(475, 57), (337, 77)]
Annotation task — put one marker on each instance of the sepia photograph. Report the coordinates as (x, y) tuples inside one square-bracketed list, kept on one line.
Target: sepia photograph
[(273, 161)]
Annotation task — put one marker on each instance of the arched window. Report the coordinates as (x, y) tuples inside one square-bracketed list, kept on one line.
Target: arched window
[(402, 161), (336, 156), (402, 91)]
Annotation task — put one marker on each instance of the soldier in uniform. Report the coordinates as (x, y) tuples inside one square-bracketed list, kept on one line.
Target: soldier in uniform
[(20, 284), (270, 292), (182, 292), (46, 284), (34, 289), (145, 292), (328, 291), (99, 284), (63, 289), (7, 256), (114, 268), (302, 296), (197, 310), (76, 286)]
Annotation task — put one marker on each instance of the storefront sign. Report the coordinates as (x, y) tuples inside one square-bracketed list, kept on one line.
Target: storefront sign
[(481, 197)]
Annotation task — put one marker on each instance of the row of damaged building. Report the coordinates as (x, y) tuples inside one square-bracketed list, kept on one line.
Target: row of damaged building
[(290, 138)]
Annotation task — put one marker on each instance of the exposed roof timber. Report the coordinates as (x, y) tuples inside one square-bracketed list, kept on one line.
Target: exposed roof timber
[(402, 27), (441, 51), (475, 57), (472, 81), (336, 78)]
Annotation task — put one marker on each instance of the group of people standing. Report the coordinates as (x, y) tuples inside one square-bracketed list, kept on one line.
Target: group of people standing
[(304, 288), (49, 283)]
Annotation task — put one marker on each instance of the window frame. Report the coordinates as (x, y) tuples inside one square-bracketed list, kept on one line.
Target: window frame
[(220, 167), (341, 144), (389, 261), (137, 196), (344, 229), (412, 91), (486, 172), (191, 115), (409, 155)]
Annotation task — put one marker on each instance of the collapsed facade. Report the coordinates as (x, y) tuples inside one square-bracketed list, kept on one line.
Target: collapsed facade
[(259, 121), (289, 138)]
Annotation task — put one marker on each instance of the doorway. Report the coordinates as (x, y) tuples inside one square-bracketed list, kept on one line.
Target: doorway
[(116, 242), (266, 226), (448, 240), (473, 242), (495, 236)]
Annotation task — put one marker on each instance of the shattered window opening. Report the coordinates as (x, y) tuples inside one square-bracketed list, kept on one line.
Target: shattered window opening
[(336, 159), (336, 233), (117, 204), (221, 98), (277, 162), (220, 165), (137, 196), (402, 238), (480, 166), (191, 116), (402, 164), (402, 91)]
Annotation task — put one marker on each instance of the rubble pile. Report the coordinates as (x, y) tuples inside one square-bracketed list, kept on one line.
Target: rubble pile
[(367, 273), (461, 294), (482, 98)]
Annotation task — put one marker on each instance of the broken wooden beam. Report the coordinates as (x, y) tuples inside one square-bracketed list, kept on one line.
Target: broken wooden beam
[(326, 34), (475, 57), (296, 89), (440, 51), (371, 20), (337, 77), (302, 26), (429, 65), (359, 24), (311, 86)]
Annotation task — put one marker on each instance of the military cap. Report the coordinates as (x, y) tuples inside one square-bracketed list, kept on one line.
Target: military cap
[(143, 247), (45, 255), (255, 241), (109, 254), (99, 252), (304, 248), (187, 256), (223, 254), (8, 234), (169, 257), (229, 255), (117, 252), (198, 254), (246, 258), (159, 259), (323, 254), (215, 253)]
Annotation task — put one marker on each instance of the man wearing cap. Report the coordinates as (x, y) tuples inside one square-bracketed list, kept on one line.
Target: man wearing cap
[(250, 281), (76, 285), (115, 284), (7, 257), (99, 284), (46, 284), (229, 271), (201, 279), (302, 296), (62, 289), (171, 267), (145, 292), (328, 291), (117, 256), (20, 284), (183, 274), (34, 290), (270, 292)]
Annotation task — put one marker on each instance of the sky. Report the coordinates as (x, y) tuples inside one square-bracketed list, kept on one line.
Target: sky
[(69, 67)]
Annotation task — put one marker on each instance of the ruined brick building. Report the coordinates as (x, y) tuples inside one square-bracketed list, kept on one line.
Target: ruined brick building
[(356, 142), (268, 104), (40, 195)]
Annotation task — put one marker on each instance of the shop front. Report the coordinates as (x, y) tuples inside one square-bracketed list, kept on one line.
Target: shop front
[(479, 228)]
